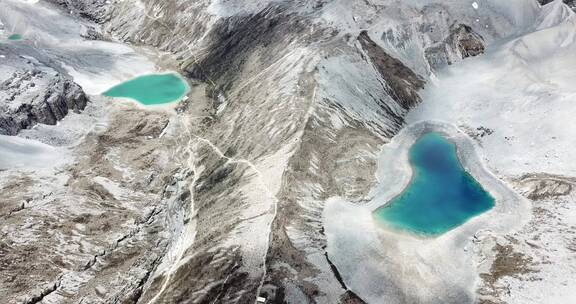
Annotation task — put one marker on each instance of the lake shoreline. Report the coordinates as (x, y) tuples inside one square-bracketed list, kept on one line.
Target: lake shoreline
[(444, 265), (438, 181)]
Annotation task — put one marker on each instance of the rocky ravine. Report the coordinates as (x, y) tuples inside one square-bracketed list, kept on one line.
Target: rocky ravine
[(220, 200)]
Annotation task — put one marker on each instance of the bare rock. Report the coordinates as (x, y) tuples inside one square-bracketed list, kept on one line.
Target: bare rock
[(35, 93), (462, 43), (94, 10), (403, 83), (92, 33), (570, 3), (545, 186)]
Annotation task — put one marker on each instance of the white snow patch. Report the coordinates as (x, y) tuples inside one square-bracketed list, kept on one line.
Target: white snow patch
[(16, 152), (524, 91)]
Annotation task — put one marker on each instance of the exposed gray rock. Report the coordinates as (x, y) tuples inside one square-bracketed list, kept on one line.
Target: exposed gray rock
[(462, 42), (94, 10), (97, 232), (545, 186), (570, 3), (31, 92), (403, 83), (92, 33)]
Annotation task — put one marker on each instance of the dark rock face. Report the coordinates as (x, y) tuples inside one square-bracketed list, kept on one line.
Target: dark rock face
[(462, 43), (35, 96), (92, 33), (94, 10), (539, 187), (403, 83), (468, 42), (233, 39), (570, 3)]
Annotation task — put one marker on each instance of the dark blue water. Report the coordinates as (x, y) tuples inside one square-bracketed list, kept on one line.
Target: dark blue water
[(441, 194)]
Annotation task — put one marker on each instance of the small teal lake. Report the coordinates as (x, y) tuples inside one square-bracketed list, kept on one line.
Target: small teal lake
[(15, 37), (440, 196), (151, 89)]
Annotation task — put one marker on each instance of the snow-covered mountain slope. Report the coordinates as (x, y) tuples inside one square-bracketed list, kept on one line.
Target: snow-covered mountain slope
[(521, 90), (225, 196)]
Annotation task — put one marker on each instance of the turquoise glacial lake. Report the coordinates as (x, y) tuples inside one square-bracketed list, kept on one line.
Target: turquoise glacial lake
[(15, 37), (440, 196), (154, 89)]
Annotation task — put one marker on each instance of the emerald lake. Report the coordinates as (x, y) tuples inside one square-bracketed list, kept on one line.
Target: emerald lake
[(154, 89), (440, 196), (15, 37)]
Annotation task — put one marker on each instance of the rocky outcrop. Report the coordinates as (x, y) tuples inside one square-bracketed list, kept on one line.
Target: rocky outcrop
[(403, 84), (94, 10), (468, 42), (462, 42), (545, 186), (232, 40), (34, 93), (570, 3)]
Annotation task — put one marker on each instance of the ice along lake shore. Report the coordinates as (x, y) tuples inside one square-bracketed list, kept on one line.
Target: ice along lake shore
[(441, 195), (151, 89), (371, 258)]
